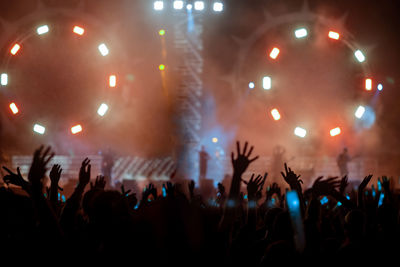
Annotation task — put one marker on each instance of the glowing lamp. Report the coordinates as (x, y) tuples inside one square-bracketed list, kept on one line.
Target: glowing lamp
[(300, 132), (359, 112), (335, 131), (14, 108), (158, 5), (178, 4), (103, 50), (380, 87), (368, 84), (251, 85), (78, 30), (215, 140), (274, 53), (14, 50), (218, 7), (359, 56), (161, 67), (102, 109), (37, 128), (333, 35), (4, 79), (42, 29), (161, 32), (76, 129), (267, 83), (275, 114), (112, 80), (199, 5), (300, 33)]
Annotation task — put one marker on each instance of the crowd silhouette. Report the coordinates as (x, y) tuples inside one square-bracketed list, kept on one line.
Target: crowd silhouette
[(262, 224)]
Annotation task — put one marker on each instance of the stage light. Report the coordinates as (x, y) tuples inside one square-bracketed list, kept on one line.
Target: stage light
[(368, 84), (14, 50), (359, 112), (102, 109), (112, 80), (251, 85), (335, 131), (189, 7), (161, 67), (178, 4), (333, 35), (76, 129), (161, 32), (4, 79), (215, 140), (14, 108), (199, 5), (380, 87), (300, 132), (218, 7), (300, 33), (103, 50), (158, 5), (359, 55), (275, 114), (39, 129), (274, 53), (78, 30), (267, 83), (42, 29)]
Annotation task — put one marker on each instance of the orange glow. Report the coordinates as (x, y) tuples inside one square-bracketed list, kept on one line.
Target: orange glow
[(79, 30), (274, 53), (14, 50), (334, 35), (112, 81), (335, 131), (275, 114), (14, 108), (368, 84), (76, 129)]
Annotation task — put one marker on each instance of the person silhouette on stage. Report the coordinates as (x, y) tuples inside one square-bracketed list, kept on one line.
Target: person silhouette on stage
[(203, 158), (342, 161)]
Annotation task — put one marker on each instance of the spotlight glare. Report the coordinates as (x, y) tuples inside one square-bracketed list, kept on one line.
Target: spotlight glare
[(189, 7), (4, 79), (39, 129), (161, 32), (267, 83), (42, 29), (275, 114), (251, 85), (359, 55), (333, 35), (335, 131), (199, 5), (103, 50), (300, 33), (380, 87), (178, 4), (14, 108), (76, 129), (78, 30), (102, 109), (112, 80), (359, 112), (300, 132), (218, 7), (368, 84), (14, 50), (158, 5), (274, 53), (161, 67), (215, 140)]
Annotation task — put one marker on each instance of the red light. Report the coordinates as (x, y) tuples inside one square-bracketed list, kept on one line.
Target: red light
[(14, 50), (14, 108), (334, 35)]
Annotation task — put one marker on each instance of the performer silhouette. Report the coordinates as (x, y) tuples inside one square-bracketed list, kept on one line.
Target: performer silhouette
[(342, 161), (203, 158)]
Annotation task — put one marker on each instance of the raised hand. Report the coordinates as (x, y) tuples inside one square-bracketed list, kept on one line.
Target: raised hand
[(255, 185), (38, 166), (15, 178), (191, 188), (84, 173), (364, 183), (273, 189), (242, 160), (325, 187), (170, 189), (386, 183), (55, 175), (131, 198), (99, 183), (344, 182), (291, 178), (149, 190)]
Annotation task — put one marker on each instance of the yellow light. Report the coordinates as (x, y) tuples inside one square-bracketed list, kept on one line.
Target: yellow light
[(334, 35), (215, 140), (79, 30), (335, 131), (14, 50), (274, 53), (368, 84), (76, 129), (161, 32), (112, 80), (14, 108), (161, 67), (275, 114)]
